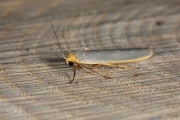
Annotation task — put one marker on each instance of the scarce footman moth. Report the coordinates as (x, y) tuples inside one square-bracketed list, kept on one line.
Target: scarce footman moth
[(107, 57)]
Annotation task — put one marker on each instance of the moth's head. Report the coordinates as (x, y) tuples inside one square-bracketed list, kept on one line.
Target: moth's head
[(71, 59), (70, 63)]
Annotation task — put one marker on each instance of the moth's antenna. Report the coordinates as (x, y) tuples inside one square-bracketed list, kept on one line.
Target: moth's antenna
[(58, 41)]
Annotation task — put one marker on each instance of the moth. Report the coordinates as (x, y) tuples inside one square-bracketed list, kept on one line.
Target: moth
[(106, 57)]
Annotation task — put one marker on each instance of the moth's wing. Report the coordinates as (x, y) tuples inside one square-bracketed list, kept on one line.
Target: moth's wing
[(113, 56)]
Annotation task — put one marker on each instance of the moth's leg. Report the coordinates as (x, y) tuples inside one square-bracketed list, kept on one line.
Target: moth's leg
[(117, 65), (123, 66), (94, 71), (96, 65), (75, 67)]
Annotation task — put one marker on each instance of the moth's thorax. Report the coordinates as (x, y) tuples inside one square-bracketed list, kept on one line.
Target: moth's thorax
[(71, 57)]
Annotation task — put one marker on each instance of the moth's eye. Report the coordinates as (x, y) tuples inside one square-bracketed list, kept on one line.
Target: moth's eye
[(71, 63)]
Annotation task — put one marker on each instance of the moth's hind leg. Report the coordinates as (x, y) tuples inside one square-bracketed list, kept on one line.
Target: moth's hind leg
[(117, 65), (96, 65)]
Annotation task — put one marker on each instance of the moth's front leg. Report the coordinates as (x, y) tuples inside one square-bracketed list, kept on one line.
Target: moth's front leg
[(75, 67)]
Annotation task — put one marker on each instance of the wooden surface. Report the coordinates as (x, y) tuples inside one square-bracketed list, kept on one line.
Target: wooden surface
[(34, 77)]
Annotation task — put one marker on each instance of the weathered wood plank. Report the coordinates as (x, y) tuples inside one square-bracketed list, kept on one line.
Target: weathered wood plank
[(34, 77)]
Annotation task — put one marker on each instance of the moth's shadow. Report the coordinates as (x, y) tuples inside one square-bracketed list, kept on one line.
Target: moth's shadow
[(51, 60), (55, 63)]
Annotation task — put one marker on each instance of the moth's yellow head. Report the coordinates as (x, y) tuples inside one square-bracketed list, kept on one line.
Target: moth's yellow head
[(71, 59)]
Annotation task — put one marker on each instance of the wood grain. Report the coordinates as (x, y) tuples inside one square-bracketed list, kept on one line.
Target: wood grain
[(34, 77)]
